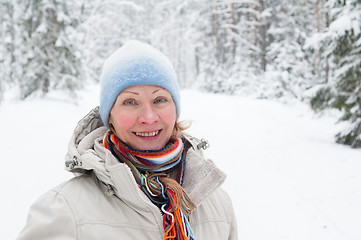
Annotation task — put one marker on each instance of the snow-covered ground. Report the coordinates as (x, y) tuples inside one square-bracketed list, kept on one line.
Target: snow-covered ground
[(286, 176)]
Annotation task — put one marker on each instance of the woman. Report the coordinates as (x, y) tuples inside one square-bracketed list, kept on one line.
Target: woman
[(138, 176)]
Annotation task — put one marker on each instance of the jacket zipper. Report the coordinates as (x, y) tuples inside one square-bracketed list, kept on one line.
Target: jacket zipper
[(149, 203)]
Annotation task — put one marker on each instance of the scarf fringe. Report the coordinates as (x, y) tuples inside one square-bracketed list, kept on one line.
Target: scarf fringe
[(179, 205), (175, 219)]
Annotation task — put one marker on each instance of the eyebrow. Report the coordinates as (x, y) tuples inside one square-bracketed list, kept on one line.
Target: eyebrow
[(156, 90), (131, 92)]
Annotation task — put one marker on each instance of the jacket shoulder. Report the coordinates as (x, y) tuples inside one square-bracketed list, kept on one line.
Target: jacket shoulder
[(215, 217), (198, 145), (220, 206), (49, 216), (83, 184), (82, 193)]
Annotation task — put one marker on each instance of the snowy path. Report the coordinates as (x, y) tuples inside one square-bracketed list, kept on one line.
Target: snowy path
[(287, 178)]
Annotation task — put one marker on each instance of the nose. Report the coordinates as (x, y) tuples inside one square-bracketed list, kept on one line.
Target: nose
[(148, 115)]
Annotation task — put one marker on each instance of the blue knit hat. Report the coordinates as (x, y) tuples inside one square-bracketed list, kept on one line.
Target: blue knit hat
[(135, 63)]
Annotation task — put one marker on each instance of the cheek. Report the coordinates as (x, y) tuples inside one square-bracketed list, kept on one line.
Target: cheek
[(169, 117), (122, 122), (126, 121)]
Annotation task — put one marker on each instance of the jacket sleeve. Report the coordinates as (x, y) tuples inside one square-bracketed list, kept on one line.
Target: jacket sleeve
[(233, 231), (49, 218), (233, 235)]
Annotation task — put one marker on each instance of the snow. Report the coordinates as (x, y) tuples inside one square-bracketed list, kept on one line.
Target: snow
[(344, 24), (286, 176)]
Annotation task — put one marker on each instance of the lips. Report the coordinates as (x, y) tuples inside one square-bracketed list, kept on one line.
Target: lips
[(147, 134)]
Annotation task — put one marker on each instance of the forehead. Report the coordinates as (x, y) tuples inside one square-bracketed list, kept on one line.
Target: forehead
[(142, 89)]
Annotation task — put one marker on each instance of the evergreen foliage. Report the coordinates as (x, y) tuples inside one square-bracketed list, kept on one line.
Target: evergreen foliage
[(6, 45), (47, 58), (290, 24), (308, 50), (342, 43)]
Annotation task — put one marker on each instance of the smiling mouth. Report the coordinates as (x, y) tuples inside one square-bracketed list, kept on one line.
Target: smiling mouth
[(147, 134)]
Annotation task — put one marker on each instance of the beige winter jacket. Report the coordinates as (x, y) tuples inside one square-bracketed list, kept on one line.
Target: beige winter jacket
[(103, 201)]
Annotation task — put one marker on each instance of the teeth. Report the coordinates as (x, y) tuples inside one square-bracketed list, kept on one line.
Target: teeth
[(148, 134)]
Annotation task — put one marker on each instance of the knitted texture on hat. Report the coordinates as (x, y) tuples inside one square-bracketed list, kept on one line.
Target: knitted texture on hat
[(135, 63)]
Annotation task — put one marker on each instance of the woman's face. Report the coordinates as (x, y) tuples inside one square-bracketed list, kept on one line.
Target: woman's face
[(143, 116)]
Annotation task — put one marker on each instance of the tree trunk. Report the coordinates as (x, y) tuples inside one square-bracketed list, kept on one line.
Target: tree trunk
[(316, 26), (263, 40), (233, 20)]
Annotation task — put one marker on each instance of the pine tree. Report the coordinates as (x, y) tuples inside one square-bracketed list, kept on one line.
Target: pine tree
[(2, 47), (177, 37), (7, 40), (225, 46), (106, 26), (343, 92), (289, 25), (46, 58)]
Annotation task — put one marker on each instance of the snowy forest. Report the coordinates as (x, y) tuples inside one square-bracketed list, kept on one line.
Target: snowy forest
[(306, 50)]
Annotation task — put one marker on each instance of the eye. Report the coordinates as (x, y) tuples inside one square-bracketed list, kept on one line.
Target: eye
[(160, 100), (129, 102)]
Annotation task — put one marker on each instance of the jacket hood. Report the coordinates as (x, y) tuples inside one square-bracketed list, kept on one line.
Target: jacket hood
[(87, 153), (86, 139)]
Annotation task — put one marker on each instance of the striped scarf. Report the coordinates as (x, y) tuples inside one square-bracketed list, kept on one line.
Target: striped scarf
[(159, 175)]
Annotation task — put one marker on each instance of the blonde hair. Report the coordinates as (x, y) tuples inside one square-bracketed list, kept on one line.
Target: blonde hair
[(179, 127)]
